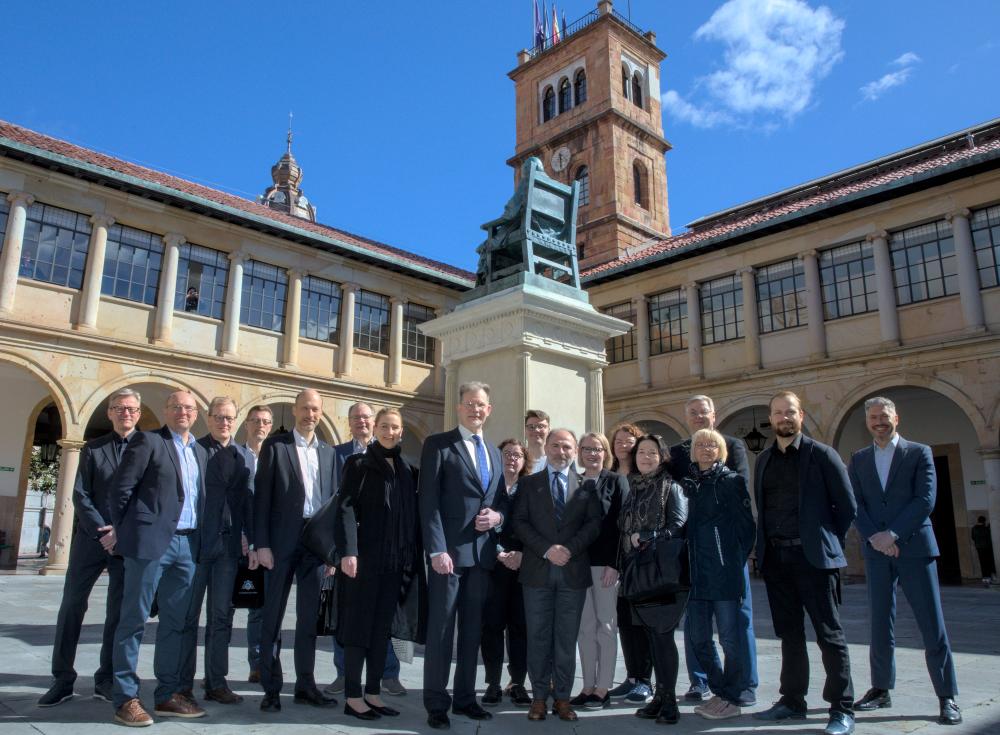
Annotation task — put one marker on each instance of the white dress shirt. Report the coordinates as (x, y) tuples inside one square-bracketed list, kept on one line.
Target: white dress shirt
[(883, 459), (309, 462), (470, 446)]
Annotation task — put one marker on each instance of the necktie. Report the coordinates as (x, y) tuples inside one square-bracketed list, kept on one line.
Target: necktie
[(119, 449), (481, 464), (558, 496)]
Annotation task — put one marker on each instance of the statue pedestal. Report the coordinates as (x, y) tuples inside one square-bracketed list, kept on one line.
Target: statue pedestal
[(539, 344)]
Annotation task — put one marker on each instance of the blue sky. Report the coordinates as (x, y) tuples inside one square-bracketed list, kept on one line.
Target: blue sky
[(404, 114)]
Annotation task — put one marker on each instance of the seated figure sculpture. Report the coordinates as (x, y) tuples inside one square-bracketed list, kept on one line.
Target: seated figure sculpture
[(536, 232)]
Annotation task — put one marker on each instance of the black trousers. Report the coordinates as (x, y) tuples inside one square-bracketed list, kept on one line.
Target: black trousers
[(504, 611), (795, 588), (306, 570), (635, 644), (663, 648), (372, 658), (87, 561)]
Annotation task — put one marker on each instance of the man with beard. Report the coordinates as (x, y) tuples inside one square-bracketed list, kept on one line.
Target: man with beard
[(805, 507)]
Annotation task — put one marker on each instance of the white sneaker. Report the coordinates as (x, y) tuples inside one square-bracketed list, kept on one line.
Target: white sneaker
[(723, 712)]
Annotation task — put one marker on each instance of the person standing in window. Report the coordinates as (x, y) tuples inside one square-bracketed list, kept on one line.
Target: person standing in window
[(191, 300)]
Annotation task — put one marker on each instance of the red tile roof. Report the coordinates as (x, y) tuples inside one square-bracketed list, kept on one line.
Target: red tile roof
[(821, 195), (26, 137)]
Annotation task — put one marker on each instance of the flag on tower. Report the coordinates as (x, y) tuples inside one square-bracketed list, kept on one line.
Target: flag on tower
[(564, 25), (555, 25), (539, 27), (545, 24)]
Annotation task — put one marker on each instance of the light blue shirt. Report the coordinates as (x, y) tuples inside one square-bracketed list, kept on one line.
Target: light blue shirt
[(563, 479), (883, 459), (357, 447), (190, 476)]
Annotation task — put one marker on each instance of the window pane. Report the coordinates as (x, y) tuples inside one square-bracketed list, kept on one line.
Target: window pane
[(53, 239), (923, 258), (256, 310), (985, 225), (621, 348), (321, 301), (722, 309), (134, 257), (416, 345), (667, 321)]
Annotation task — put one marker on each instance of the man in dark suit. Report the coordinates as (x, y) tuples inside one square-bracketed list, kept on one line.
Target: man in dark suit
[(699, 413), (462, 501), (259, 421), (157, 500), (804, 509), (361, 419), (91, 553), (556, 517), (294, 478), (895, 486), (228, 513)]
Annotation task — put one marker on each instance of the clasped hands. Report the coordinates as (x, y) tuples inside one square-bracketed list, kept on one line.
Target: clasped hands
[(558, 555), (884, 542)]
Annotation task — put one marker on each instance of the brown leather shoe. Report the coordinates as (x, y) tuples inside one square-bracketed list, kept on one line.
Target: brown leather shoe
[(188, 694), (133, 714), (254, 677), (537, 709), (562, 708), (178, 706), (223, 695)]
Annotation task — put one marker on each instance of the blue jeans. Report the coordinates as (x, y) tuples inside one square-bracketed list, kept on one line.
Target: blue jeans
[(747, 649), (391, 670), (169, 578), (729, 680)]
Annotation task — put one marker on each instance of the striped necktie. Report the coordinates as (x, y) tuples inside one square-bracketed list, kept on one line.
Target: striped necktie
[(558, 496)]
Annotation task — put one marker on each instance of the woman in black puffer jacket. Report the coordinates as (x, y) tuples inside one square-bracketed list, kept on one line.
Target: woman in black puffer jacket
[(720, 534)]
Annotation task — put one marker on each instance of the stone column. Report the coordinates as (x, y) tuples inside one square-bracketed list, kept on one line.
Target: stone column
[(439, 370), (751, 319), (348, 292), (395, 341), (450, 395), (10, 264), (293, 315), (697, 366), (887, 317), (968, 272), (90, 294), (234, 300), (595, 398), (641, 308), (62, 515), (814, 305), (164, 325), (991, 473)]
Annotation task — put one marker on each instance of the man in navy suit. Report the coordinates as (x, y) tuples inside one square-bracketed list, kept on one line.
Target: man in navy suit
[(91, 553), (804, 509), (361, 419), (462, 501), (294, 479), (157, 500), (895, 486)]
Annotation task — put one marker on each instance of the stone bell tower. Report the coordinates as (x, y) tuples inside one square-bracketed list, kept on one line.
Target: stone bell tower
[(284, 194)]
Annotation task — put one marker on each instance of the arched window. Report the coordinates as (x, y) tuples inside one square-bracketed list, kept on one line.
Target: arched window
[(625, 84), (548, 104), (637, 89), (639, 184), (565, 96), (583, 176), (580, 87)]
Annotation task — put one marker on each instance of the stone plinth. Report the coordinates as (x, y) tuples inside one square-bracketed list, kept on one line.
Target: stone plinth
[(538, 343)]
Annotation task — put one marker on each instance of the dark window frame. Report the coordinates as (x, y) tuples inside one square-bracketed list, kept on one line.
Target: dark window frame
[(583, 176), (55, 245), (637, 94), (579, 87), (848, 280), (548, 104), (668, 321), (417, 346), (985, 226), (565, 96), (781, 296), (621, 348), (724, 297), (265, 296), (210, 261), (146, 258), (320, 308), (639, 184), (924, 262), (370, 332)]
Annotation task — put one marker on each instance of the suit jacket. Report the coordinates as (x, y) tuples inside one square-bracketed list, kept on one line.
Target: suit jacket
[(279, 495), (342, 452), (906, 504), (451, 497), (826, 504), (147, 494), (227, 498), (92, 486), (534, 520), (736, 458)]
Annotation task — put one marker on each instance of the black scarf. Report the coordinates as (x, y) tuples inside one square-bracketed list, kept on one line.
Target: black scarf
[(399, 538)]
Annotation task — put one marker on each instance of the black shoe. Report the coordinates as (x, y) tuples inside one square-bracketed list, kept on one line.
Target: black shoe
[(748, 698), (314, 697), (473, 712), (779, 711), (580, 699), (438, 720), (622, 690), (493, 696), (383, 710), (595, 702), (270, 703), (695, 693), (950, 713), (369, 714), (103, 691), (669, 714), (519, 695), (874, 699), (57, 694), (652, 710), (840, 723)]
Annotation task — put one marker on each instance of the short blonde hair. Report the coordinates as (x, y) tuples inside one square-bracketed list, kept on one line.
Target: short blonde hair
[(603, 441), (387, 411), (710, 435)]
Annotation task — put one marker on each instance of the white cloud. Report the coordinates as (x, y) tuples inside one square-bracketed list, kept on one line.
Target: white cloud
[(775, 53), (875, 89)]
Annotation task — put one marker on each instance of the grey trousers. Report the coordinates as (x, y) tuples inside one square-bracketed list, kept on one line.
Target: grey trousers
[(598, 638), (216, 577), (552, 614)]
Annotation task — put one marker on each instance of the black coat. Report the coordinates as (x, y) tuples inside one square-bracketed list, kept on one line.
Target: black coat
[(360, 529), (228, 498), (98, 463), (720, 533), (611, 490)]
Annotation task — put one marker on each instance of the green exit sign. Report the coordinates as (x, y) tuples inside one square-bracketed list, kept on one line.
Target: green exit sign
[(6, 469)]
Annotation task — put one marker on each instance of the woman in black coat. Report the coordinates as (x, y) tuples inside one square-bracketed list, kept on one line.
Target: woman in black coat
[(655, 508), (378, 530), (720, 534)]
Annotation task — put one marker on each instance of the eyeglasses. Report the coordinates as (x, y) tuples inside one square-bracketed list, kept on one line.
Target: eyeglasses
[(124, 409), (630, 442), (260, 422), (177, 408), (224, 419), (707, 446), (475, 405), (362, 417), (592, 450), (536, 427), (513, 455), (700, 414)]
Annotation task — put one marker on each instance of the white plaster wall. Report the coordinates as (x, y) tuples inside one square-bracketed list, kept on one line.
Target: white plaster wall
[(21, 393)]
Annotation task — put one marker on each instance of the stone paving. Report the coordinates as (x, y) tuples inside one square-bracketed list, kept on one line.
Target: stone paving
[(28, 606)]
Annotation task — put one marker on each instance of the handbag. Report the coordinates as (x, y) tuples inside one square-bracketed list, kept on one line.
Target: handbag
[(326, 621), (657, 568), (248, 588)]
